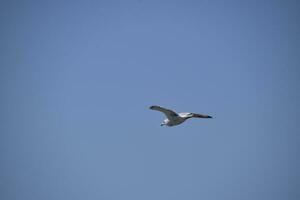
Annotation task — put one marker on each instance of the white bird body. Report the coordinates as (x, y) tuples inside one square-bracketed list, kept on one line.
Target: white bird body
[(174, 118)]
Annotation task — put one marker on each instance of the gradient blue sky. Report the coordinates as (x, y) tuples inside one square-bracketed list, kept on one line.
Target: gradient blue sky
[(77, 78)]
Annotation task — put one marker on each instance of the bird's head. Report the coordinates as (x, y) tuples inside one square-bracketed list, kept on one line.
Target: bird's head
[(165, 122)]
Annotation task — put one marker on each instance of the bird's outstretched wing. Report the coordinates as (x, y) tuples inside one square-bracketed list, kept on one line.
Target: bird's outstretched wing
[(200, 115), (170, 114)]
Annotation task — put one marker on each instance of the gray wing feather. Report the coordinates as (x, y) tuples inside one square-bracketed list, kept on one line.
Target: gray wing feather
[(200, 115), (170, 114)]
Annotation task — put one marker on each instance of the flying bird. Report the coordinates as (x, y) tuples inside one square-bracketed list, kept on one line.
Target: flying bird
[(174, 118)]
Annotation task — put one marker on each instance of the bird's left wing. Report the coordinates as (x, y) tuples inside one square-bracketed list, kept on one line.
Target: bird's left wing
[(170, 114)]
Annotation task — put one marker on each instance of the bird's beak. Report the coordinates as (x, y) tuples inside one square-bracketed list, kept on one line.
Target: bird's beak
[(162, 124)]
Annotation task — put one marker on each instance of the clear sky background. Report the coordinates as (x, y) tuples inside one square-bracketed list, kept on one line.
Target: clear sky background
[(77, 78)]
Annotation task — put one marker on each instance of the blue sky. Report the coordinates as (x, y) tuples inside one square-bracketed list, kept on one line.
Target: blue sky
[(77, 79)]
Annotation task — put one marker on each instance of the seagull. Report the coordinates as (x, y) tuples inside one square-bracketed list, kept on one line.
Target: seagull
[(174, 118)]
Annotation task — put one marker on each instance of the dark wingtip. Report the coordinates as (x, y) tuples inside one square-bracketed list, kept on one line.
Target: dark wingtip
[(151, 107), (209, 117)]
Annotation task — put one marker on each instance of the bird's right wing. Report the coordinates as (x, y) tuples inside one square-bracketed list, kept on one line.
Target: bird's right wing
[(196, 115), (170, 114)]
